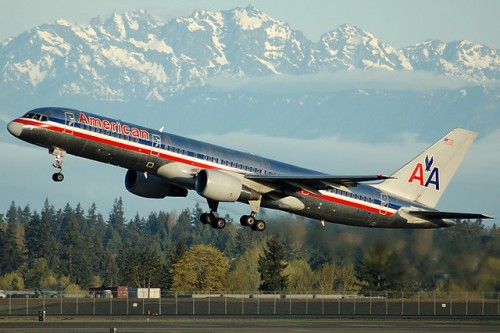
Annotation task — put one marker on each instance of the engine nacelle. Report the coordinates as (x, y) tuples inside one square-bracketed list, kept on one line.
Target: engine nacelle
[(218, 186), (152, 186), (179, 173)]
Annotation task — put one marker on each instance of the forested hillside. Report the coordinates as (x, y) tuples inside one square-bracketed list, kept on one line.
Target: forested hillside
[(74, 248)]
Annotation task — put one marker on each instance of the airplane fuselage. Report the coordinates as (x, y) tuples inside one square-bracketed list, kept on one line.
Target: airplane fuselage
[(177, 161)]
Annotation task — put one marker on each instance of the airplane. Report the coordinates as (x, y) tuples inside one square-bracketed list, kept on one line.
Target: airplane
[(161, 164)]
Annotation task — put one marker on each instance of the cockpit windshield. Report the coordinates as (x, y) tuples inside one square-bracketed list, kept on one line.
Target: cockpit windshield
[(36, 116)]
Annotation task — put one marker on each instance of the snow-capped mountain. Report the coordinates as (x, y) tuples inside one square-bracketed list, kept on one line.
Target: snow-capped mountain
[(463, 59), (349, 47), (135, 56), (241, 69)]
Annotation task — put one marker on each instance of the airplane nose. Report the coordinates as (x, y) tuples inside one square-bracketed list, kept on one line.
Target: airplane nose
[(15, 128)]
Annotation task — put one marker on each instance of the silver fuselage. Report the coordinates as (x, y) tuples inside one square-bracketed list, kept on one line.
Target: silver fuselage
[(146, 150)]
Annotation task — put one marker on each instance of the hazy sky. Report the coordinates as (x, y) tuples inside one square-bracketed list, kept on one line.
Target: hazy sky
[(397, 22)]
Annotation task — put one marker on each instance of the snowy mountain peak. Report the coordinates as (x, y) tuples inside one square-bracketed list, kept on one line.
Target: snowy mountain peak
[(63, 23), (134, 55), (249, 18), (349, 47), (128, 24)]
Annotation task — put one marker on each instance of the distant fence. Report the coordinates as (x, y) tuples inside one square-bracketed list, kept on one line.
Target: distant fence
[(244, 303)]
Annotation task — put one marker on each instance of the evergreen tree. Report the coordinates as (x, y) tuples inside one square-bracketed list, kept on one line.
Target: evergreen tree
[(172, 258), (39, 240), (271, 266), (380, 268), (142, 267), (137, 234), (183, 228), (75, 259), (94, 241), (111, 271), (11, 256), (117, 217), (4, 260)]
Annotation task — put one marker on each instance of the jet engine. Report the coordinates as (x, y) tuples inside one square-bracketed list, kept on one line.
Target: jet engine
[(222, 187), (151, 186)]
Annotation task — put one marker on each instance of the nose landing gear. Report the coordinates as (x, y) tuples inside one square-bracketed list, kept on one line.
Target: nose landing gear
[(59, 154), (58, 177)]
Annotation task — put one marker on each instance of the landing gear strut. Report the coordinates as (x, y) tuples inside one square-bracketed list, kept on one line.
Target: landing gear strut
[(212, 218), (219, 223), (250, 220), (59, 153)]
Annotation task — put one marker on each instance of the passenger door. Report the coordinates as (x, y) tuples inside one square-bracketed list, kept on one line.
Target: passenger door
[(69, 122)]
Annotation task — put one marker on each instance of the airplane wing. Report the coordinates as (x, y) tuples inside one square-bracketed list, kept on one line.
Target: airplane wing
[(435, 215), (312, 183)]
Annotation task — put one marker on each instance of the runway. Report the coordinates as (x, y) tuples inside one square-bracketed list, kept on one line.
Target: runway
[(248, 324)]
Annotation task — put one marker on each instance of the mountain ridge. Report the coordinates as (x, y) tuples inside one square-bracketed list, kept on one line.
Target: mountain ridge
[(134, 55)]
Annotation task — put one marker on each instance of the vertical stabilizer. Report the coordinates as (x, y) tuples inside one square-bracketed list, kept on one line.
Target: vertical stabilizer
[(426, 177)]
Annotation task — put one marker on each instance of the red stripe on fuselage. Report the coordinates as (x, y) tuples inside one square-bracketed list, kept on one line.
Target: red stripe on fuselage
[(146, 150), (160, 154), (348, 203)]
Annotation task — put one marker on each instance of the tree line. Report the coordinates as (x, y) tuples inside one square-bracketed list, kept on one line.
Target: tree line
[(73, 249)]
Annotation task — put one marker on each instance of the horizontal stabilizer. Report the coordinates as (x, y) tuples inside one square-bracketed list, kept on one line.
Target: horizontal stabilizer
[(435, 215)]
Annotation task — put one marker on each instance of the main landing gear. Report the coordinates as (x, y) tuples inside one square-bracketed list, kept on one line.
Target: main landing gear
[(250, 221), (59, 153), (219, 223), (211, 218)]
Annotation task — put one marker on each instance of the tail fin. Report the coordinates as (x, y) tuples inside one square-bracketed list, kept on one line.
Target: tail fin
[(426, 177)]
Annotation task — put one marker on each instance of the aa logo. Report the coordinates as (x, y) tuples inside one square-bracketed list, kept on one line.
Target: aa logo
[(426, 175)]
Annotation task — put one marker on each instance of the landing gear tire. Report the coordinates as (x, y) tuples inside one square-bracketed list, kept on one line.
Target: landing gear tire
[(214, 221), (250, 221), (58, 177), (218, 223), (247, 220), (207, 218), (259, 225)]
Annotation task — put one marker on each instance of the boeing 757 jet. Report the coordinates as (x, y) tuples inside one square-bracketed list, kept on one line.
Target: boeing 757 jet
[(163, 165)]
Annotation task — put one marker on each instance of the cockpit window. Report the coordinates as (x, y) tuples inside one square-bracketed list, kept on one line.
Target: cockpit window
[(29, 115), (36, 116)]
